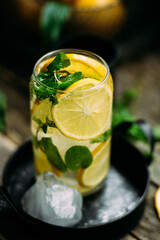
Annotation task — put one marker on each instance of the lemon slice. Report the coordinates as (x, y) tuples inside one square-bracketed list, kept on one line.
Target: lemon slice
[(41, 162), (94, 175), (83, 115), (41, 110), (157, 201)]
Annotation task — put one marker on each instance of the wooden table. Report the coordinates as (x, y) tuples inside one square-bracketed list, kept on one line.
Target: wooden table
[(143, 73)]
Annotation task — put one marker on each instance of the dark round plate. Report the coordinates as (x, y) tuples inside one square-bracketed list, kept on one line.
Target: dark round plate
[(107, 214)]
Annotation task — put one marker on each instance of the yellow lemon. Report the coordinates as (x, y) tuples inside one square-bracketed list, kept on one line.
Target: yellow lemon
[(83, 115), (94, 175), (42, 110), (41, 162), (157, 201)]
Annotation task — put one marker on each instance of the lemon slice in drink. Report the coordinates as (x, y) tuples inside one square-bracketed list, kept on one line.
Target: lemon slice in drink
[(157, 201), (93, 175), (41, 162), (83, 115), (42, 110)]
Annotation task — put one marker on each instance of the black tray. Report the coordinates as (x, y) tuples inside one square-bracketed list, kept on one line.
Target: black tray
[(108, 214)]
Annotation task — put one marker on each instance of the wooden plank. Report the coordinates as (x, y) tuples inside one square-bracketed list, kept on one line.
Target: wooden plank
[(18, 114), (149, 226), (155, 165), (7, 147), (142, 74), (128, 237)]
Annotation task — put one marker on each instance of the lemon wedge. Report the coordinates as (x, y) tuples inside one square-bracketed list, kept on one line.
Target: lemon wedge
[(94, 175), (83, 115), (157, 201)]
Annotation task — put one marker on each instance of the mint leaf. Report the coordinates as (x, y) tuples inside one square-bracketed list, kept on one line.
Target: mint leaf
[(53, 17), (3, 109), (52, 154), (135, 133), (156, 132), (120, 115), (121, 106), (78, 157), (103, 137), (54, 80), (60, 61), (129, 96), (69, 80), (43, 126), (50, 123)]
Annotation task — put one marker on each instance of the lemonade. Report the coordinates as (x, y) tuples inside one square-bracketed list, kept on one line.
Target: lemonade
[(71, 94)]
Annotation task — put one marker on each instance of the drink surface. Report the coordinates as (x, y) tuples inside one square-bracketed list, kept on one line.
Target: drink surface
[(71, 128)]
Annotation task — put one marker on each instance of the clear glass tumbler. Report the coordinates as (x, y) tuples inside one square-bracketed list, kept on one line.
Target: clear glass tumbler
[(71, 95)]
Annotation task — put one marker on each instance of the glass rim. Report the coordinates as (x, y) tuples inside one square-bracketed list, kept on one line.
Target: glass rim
[(72, 51)]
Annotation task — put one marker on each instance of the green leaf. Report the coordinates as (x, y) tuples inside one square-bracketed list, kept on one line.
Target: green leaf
[(121, 106), (129, 96), (120, 115), (52, 153), (156, 132), (43, 126), (103, 137), (60, 61), (3, 109), (69, 80), (53, 17), (53, 99), (78, 157), (50, 123), (135, 133), (37, 120)]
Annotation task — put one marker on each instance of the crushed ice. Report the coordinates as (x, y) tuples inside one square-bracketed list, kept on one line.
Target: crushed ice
[(50, 200)]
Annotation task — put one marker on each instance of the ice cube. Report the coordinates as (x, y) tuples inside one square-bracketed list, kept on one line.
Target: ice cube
[(50, 200)]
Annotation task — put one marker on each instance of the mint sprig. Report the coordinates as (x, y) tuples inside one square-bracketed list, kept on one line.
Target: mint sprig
[(103, 137), (52, 153), (69, 80), (60, 61), (53, 18), (44, 126), (54, 79)]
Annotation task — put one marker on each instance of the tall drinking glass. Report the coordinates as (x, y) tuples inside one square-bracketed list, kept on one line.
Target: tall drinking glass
[(71, 94)]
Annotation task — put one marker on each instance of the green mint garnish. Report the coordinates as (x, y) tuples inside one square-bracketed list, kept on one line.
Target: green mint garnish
[(43, 126), (103, 137), (156, 132), (52, 153), (55, 79), (78, 157), (69, 80), (60, 61), (136, 133), (53, 17)]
